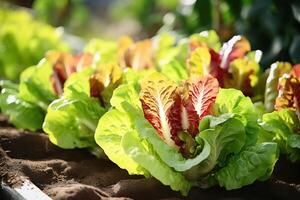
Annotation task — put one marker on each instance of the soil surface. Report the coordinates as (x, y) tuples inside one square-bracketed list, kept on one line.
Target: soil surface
[(77, 175)]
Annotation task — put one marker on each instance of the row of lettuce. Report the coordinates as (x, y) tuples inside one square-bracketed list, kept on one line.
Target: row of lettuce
[(24, 41), (179, 110)]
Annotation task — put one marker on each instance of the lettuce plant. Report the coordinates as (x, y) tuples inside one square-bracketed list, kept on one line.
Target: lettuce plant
[(192, 134), (71, 120), (233, 63), (282, 95), (39, 86), (22, 49)]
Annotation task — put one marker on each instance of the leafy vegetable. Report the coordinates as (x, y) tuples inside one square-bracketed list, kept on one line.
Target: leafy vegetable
[(288, 90), (20, 49), (70, 122), (233, 65), (186, 131), (147, 158), (72, 119), (39, 86), (209, 38), (21, 113), (253, 163), (276, 71), (282, 127), (170, 111)]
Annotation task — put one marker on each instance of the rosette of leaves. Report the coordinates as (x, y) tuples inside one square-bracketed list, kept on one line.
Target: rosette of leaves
[(71, 120), (233, 63), (282, 125), (26, 104), (185, 135)]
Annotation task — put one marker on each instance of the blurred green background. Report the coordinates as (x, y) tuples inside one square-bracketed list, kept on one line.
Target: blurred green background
[(272, 26)]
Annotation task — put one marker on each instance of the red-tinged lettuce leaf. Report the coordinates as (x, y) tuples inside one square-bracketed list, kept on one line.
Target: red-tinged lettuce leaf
[(285, 98), (205, 60), (236, 47), (174, 111), (289, 91), (271, 92), (123, 44), (198, 97), (158, 96), (216, 71), (64, 65), (105, 79), (138, 55), (296, 71)]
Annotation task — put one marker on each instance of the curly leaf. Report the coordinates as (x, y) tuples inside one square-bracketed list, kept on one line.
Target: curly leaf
[(71, 121), (253, 163), (143, 153), (111, 128), (22, 114), (280, 126), (233, 101), (35, 86), (225, 138)]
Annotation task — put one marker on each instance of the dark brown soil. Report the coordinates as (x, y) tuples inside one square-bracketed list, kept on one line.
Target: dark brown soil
[(4, 121), (75, 174)]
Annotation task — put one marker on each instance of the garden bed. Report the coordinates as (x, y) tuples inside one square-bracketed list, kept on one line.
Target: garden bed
[(75, 174)]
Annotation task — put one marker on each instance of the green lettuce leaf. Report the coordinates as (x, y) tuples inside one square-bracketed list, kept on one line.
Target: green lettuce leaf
[(233, 101), (71, 121), (35, 85), (125, 93), (142, 152), (106, 50), (294, 141), (282, 127), (21, 114), (166, 49), (175, 71), (210, 38), (168, 154), (79, 82), (224, 138), (112, 126), (134, 76), (20, 49), (253, 163)]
